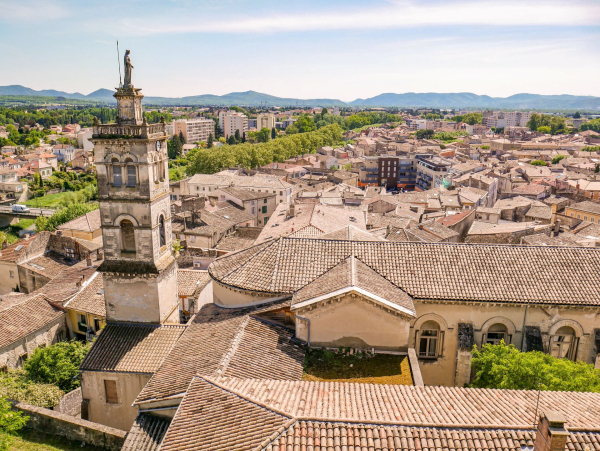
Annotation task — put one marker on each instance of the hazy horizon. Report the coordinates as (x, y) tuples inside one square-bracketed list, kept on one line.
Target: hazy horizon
[(338, 49)]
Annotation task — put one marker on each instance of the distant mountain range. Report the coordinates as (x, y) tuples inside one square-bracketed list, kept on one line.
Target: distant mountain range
[(410, 99)]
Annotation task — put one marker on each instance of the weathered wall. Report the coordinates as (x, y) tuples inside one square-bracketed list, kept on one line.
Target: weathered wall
[(53, 332), (120, 415), (228, 297), (57, 423), (353, 321), (70, 404), (443, 370), (9, 277), (142, 298)]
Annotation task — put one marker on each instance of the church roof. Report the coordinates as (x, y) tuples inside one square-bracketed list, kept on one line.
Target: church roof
[(444, 271)]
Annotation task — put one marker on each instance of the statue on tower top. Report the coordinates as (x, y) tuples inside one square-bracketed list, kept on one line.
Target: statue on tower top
[(128, 67)]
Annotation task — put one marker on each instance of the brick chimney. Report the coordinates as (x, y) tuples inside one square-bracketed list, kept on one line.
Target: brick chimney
[(551, 434)]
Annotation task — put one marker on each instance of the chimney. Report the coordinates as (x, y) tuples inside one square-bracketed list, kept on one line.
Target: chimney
[(551, 434), (59, 233), (292, 210), (88, 260), (79, 282), (99, 255), (557, 227)]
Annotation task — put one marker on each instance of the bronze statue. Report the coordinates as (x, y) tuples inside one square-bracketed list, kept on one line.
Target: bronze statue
[(128, 68)]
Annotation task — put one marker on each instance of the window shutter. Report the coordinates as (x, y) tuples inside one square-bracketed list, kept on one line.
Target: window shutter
[(441, 344), (509, 339), (110, 388), (483, 337)]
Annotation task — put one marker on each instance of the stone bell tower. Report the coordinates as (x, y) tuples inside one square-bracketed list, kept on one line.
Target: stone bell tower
[(139, 270)]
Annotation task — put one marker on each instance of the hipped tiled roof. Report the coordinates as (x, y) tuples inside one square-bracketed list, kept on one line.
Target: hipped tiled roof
[(444, 271)]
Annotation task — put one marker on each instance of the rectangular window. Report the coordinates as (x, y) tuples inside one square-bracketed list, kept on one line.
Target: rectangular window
[(428, 343), (117, 175), (82, 323), (131, 178), (265, 201), (264, 209), (266, 219), (12, 274), (494, 338), (110, 390), (563, 346), (96, 324)]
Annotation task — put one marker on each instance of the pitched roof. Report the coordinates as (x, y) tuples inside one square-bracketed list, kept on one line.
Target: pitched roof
[(252, 414), (227, 342), (88, 222), (191, 281), (350, 232), (353, 275), (244, 194), (131, 348), (231, 423), (586, 206), (147, 433), (14, 251), (26, 317), (91, 298), (423, 270)]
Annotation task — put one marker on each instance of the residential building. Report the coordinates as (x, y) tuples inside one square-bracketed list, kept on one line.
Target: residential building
[(265, 120), (232, 121), (86, 227), (260, 206), (208, 184), (431, 171), (586, 211), (194, 130), (64, 152)]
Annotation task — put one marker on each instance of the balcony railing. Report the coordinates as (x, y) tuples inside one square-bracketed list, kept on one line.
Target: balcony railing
[(143, 131)]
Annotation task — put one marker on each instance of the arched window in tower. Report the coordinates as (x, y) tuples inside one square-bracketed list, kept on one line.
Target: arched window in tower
[(161, 230), (131, 173), (117, 174), (127, 236)]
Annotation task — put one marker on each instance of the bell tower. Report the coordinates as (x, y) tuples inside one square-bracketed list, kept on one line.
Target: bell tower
[(139, 269)]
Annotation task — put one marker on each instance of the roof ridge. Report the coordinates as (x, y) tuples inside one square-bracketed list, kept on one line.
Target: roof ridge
[(248, 260), (224, 363)]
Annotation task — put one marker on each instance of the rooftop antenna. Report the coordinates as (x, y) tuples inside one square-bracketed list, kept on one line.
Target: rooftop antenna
[(119, 60)]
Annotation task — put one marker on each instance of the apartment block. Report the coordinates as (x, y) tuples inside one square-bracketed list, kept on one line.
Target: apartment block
[(232, 121), (431, 171), (265, 120), (194, 130)]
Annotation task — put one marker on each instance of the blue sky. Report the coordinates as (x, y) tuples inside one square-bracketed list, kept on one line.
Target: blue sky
[(342, 49)]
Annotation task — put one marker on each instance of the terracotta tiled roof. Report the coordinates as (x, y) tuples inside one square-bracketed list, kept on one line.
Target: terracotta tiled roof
[(147, 433), (353, 274), (131, 348), (65, 285), (423, 270), (16, 250), (90, 299), (48, 265), (25, 318), (586, 206), (415, 405), (243, 414), (231, 424), (191, 281), (227, 342)]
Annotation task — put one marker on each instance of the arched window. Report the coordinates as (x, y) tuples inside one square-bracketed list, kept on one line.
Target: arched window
[(429, 339), (161, 231), (495, 334), (131, 173), (117, 174), (563, 343), (127, 236)]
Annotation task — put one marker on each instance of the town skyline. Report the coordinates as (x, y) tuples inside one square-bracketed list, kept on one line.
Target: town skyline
[(190, 49)]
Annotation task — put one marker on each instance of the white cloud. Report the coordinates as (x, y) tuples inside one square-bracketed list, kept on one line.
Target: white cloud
[(31, 10), (396, 14)]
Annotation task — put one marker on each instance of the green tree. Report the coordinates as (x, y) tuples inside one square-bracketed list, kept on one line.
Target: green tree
[(577, 115), (10, 422), (501, 366), (209, 142), (57, 364), (174, 147), (263, 135), (544, 129), (273, 133), (425, 134), (182, 139), (2, 238), (14, 384), (538, 163), (557, 158), (237, 136)]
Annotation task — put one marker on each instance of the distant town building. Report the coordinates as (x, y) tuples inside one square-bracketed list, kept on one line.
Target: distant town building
[(194, 130)]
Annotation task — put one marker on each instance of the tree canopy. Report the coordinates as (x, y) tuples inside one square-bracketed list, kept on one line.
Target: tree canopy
[(538, 163), (501, 366), (555, 123), (469, 118), (63, 215), (57, 364), (557, 158), (215, 159), (10, 422)]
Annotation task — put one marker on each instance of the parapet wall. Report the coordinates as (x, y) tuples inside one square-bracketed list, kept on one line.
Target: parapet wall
[(56, 423)]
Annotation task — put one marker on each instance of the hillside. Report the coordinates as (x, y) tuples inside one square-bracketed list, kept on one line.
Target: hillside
[(410, 99)]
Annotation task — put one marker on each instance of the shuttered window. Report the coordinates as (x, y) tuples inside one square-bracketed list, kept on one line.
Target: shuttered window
[(110, 388)]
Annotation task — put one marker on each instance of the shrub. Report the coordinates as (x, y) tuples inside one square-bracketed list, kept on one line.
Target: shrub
[(57, 364), (15, 385), (538, 163), (501, 366), (10, 422), (557, 158)]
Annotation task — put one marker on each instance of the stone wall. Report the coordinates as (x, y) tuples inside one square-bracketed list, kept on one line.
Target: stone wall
[(57, 423), (70, 404)]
